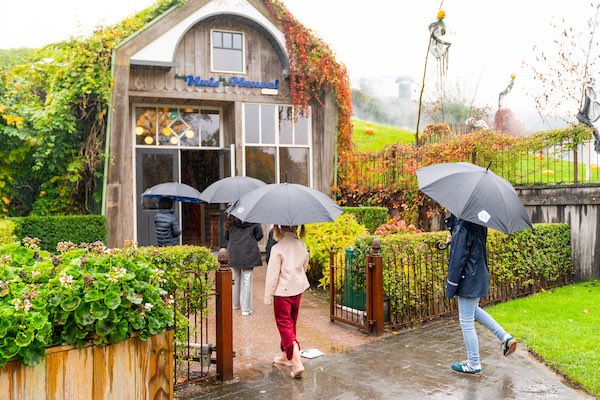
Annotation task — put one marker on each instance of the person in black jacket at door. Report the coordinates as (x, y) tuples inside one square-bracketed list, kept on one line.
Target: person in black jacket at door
[(244, 255), (167, 228), (469, 280)]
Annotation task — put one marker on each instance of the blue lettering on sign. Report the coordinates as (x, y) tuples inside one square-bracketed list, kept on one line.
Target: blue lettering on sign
[(196, 81), (242, 82), (233, 81)]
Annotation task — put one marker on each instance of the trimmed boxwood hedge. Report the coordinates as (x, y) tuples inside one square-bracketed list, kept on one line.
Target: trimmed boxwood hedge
[(7, 231), (415, 271), (64, 228), (369, 217)]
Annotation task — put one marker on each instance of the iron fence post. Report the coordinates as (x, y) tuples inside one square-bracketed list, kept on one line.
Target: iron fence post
[(331, 283), (376, 318), (224, 318)]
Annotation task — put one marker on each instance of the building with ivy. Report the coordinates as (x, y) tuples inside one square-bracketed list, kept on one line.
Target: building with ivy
[(202, 93)]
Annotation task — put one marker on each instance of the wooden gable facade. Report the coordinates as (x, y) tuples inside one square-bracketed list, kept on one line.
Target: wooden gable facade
[(177, 116)]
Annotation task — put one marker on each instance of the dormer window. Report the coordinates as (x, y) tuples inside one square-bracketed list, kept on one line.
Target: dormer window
[(227, 51)]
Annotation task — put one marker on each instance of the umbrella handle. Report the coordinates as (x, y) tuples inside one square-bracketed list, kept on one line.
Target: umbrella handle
[(441, 245)]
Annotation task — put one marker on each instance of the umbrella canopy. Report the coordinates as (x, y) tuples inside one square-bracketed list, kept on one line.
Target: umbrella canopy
[(475, 194), (174, 191), (229, 190), (285, 204)]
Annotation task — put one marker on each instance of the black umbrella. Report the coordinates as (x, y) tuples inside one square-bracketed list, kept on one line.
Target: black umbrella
[(174, 191), (475, 194), (285, 204), (229, 190)]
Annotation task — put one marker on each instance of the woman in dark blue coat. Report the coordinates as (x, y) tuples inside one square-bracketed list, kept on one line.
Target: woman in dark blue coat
[(468, 278)]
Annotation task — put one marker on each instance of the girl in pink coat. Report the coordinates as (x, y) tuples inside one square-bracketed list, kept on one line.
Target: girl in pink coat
[(285, 282)]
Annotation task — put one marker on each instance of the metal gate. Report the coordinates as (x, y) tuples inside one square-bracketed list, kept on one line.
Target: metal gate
[(356, 287)]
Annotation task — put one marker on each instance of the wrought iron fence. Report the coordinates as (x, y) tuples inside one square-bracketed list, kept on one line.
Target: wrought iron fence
[(347, 287), (555, 165), (414, 284), (203, 325), (194, 344)]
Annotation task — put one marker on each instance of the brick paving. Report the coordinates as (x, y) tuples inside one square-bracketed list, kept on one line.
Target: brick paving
[(410, 364)]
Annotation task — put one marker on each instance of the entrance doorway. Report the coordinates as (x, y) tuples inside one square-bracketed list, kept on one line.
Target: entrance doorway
[(200, 222)]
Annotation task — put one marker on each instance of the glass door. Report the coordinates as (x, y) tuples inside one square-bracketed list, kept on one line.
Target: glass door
[(153, 166), (201, 222)]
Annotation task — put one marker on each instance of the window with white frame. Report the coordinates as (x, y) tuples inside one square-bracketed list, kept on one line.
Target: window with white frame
[(276, 148), (227, 51), (177, 127)]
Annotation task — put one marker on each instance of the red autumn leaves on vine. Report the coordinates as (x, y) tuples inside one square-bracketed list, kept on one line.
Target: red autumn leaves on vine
[(315, 72)]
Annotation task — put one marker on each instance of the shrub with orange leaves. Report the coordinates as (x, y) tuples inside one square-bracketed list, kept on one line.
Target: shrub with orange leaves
[(369, 131), (396, 225)]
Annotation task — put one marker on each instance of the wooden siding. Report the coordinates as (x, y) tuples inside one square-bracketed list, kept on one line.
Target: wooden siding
[(193, 58), (132, 369)]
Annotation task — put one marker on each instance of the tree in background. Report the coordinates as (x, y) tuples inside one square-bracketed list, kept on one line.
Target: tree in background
[(452, 107), (562, 69)]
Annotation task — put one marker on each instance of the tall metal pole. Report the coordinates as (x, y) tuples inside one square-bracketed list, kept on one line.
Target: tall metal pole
[(421, 94)]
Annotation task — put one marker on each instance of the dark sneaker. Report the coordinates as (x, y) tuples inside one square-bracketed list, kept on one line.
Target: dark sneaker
[(509, 346), (465, 368)]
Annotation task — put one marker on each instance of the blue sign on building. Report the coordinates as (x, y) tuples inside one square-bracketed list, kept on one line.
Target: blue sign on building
[(233, 81)]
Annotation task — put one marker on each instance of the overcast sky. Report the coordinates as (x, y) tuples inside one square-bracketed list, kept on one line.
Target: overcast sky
[(378, 39)]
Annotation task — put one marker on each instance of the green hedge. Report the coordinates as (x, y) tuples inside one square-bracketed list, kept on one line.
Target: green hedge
[(415, 271), (87, 293), (7, 231), (68, 228), (370, 217)]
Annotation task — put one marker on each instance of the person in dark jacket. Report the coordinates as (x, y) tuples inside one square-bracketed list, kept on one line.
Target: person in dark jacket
[(244, 255), (469, 280), (167, 228), (270, 242)]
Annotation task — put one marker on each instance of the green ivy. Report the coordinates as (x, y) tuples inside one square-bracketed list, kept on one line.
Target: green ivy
[(53, 111), (369, 217), (88, 293)]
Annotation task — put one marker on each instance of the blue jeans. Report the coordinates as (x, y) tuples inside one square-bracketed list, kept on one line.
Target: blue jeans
[(468, 312)]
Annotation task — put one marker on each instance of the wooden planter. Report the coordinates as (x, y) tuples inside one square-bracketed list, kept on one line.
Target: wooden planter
[(132, 369)]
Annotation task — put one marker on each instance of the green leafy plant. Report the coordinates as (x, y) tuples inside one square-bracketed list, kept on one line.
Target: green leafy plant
[(340, 233), (87, 293)]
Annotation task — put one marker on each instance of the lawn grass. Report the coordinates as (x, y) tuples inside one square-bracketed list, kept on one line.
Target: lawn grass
[(562, 326), (381, 136)]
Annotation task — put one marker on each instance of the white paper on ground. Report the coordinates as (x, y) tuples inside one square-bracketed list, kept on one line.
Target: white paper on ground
[(311, 353)]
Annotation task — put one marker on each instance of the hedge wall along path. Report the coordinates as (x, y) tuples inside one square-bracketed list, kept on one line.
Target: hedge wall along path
[(415, 271), (67, 228)]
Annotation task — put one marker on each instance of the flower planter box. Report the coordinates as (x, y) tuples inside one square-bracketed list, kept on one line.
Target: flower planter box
[(133, 369)]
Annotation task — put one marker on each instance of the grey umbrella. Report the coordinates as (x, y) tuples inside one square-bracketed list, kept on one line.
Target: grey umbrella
[(229, 190), (285, 204), (174, 191), (475, 194)]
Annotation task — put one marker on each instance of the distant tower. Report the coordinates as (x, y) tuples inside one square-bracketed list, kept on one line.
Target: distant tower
[(405, 87)]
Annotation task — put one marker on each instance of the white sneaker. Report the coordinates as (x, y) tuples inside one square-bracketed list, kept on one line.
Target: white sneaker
[(246, 312)]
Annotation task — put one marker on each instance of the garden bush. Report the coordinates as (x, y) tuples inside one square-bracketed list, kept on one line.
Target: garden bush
[(415, 271), (88, 293), (65, 228), (369, 217), (341, 233), (7, 230)]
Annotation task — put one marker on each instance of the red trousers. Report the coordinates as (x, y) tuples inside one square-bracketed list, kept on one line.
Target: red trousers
[(286, 315)]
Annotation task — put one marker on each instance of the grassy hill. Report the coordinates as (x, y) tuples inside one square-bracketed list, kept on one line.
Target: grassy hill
[(368, 136)]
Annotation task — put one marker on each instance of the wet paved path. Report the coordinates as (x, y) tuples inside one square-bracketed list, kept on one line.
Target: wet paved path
[(408, 365)]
